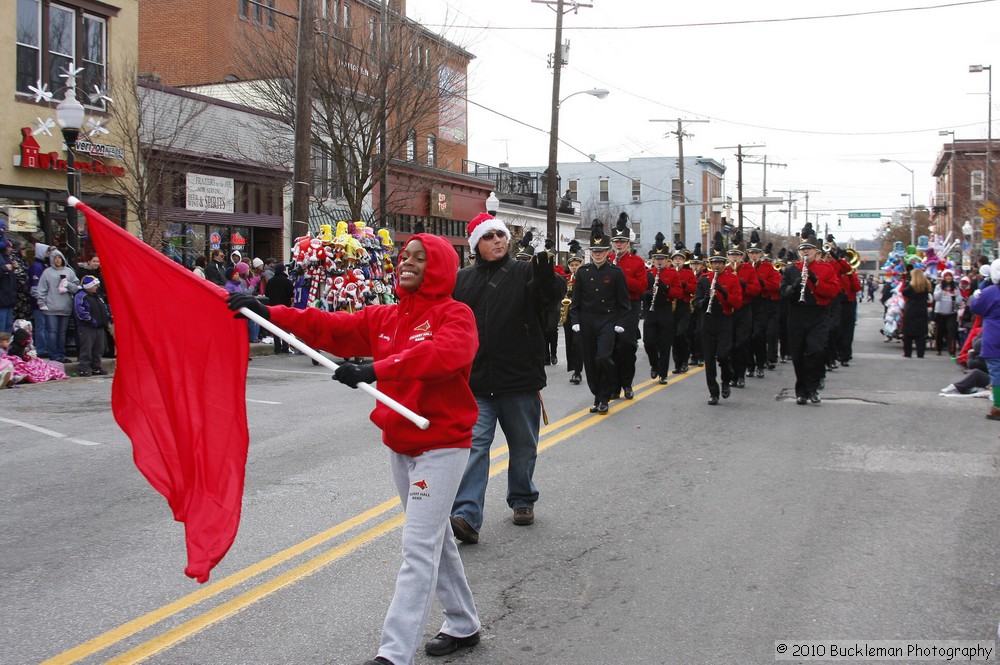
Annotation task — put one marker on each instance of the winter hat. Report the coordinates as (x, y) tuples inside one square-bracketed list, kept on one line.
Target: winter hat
[(995, 272), (482, 224), (257, 263), (236, 253), (242, 268), (947, 271), (89, 281)]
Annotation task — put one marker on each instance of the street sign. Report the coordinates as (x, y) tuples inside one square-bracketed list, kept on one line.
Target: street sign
[(989, 211), (989, 230), (988, 246), (864, 215)]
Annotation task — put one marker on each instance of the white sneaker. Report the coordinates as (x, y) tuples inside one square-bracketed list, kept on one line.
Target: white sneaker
[(950, 388)]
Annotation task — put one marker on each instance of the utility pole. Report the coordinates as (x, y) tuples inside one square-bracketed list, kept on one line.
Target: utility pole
[(680, 134), (763, 211), (739, 176), (551, 193), (383, 185), (302, 167), (789, 192)]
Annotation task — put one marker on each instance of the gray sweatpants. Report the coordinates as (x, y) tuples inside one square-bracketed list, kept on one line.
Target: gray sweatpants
[(427, 485)]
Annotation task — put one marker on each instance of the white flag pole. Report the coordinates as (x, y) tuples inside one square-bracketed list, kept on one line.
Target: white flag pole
[(414, 418)]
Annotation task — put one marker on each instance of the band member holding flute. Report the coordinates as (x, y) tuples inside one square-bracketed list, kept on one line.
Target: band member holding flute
[(659, 302), (808, 286), (423, 350), (717, 295)]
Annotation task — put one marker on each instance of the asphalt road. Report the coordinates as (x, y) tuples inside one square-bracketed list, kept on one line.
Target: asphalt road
[(667, 532)]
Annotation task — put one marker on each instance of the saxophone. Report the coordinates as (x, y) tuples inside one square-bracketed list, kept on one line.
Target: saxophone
[(805, 280), (711, 291), (566, 301)]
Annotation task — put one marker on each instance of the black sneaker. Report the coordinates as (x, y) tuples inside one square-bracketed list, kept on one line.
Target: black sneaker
[(575, 379), (523, 516), (442, 645), (713, 400), (725, 390), (377, 660)]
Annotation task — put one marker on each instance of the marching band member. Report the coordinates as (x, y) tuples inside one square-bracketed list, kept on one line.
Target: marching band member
[(808, 285), (717, 295), (743, 314), (634, 269), (765, 307), (697, 263), (682, 306), (658, 323), (574, 357)]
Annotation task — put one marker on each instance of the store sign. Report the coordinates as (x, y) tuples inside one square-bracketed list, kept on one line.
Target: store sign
[(208, 193), (100, 150), (215, 240), (32, 157), (237, 240), (23, 220), (440, 203)]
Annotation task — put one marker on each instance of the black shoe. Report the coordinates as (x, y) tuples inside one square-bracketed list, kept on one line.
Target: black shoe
[(629, 393), (814, 398), (98, 372), (523, 516), (822, 384), (684, 368), (700, 362), (575, 379), (593, 409), (782, 360), (845, 363), (602, 408), (741, 382), (713, 400), (442, 645), (652, 373), (771, 365), (677, 370), (377, 660), (83, 375), (463, 530), (555, 360), (800, 400), (725, 391), (760, 373), (749, 371), (663, 381), (615, 395)]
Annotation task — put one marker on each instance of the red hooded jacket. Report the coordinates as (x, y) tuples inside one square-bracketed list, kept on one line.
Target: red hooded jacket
[(423, 350)]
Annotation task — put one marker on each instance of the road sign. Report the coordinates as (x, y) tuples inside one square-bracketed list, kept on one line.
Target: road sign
[(988, 246), (989, 211), (989, 230), (864, 215)]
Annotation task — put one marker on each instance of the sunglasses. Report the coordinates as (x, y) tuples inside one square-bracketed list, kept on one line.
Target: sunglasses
[(489, 235)]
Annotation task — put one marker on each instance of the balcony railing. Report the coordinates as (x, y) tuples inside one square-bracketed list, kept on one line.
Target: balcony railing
[(528, 185)]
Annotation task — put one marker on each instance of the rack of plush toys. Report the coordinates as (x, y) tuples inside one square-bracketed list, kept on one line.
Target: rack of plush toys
[(346, 268), (930, 254)]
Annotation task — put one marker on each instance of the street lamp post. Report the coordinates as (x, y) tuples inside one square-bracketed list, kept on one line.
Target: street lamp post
[(975, 69), (70, 113), (551, 193), (913, 222)]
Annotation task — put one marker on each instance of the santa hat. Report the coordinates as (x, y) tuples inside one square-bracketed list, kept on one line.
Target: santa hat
[(482, 224)]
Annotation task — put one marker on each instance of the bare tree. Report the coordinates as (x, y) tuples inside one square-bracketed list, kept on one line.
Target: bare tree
[(155, 130), (367, 75)]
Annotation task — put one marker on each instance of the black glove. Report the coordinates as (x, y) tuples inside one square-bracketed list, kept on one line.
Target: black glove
[(239, 300), (544, 268), (351, 375)]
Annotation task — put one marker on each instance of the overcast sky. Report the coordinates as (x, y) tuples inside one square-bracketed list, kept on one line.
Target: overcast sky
[(828, 97)]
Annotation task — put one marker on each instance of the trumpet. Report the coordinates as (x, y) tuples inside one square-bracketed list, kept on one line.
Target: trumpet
[(711, 291), (805, 279)]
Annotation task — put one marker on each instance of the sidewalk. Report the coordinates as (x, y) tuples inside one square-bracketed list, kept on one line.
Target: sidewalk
[(109, 364)]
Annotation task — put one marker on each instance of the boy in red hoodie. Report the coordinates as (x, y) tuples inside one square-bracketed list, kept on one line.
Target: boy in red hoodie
[(423, 350)]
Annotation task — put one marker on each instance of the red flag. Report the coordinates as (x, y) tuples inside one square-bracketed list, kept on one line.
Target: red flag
[(179, 389)]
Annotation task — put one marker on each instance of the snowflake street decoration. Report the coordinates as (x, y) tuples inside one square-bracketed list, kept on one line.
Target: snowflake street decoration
[(72, 71), (97, 127), (44, 126), (41, 91), (100, 96)]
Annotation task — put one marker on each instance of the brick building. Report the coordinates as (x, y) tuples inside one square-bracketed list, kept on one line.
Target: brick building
[(960, 193)]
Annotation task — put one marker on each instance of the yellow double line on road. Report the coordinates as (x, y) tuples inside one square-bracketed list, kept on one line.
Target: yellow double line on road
[(561, 428)]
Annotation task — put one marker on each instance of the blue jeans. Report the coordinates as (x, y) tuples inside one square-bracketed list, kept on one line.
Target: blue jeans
[(519, 415), (7, 319), (57, 324), (993, 365), (253, 330), (40, 332)]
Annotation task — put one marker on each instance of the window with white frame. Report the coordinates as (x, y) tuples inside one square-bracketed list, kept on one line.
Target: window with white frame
[(636, 190), (48, 41), (346, 22), (605, 191), (675, 189), (571, 189), (326, 179), (431, 150), (411, 146), (976, 182)]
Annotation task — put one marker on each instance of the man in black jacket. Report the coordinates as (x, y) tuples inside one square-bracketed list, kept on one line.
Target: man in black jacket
[(279, 291), (215, 272), (508, 371)]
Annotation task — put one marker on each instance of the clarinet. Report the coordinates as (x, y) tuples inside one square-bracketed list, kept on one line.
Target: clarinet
[(656, 286), (805, 279), (711, 291)]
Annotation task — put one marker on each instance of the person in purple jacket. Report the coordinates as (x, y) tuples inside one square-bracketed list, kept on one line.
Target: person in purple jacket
[(986, 303)]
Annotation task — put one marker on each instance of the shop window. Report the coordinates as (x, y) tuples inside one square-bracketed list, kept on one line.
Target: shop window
[(48, 41)]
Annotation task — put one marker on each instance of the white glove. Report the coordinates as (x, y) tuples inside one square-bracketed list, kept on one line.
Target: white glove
[(62, 285), (575, 327), (619, 329)]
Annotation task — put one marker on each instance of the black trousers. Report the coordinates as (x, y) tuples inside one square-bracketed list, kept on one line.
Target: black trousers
[(742, 327), (694, 335), (807, 337), (848, 314), (772, 329), (657, 338), (574, 358), (682, 321), (758, 334), (946, 330), (598, 349), (832, 330), (627, 345), (716, 346)]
